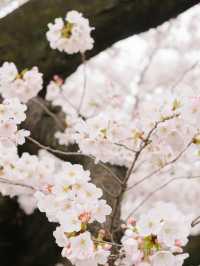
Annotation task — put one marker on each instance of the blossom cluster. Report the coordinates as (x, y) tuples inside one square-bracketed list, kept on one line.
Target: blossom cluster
[(12, 113), (68, 95), (157, 238), (22, 85), (62, 190), (155, 133), (114, 139), (105, 136), (172, 154), (26, 174), (114, 134), (72, 201), (65, 193), (72, 35)]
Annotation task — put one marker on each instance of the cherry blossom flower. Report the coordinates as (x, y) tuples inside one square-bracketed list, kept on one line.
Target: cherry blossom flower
[(163, 258), (82, 246), (72, 35), (12, 113), (157, 237), (24, 85)]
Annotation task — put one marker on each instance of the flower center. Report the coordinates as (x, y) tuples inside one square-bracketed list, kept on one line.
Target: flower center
[(21, 75), (71, 173), (65, 188), (82, 242), (67, 30)]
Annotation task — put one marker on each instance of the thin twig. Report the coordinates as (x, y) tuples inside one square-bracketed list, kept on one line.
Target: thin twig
[(47, 111), (109, 192), (155, 191), (106, 242), (13, 183), (145, 142), (142, 77), (195, 221), (70, 104), (148, 66), (55, 151), (180, 79), (161, 168), (84, 82), (125, 147)]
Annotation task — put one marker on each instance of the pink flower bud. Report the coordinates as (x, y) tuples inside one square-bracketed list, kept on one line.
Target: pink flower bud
[(68, 245), (58, 80), (85, 217), (48, 188), (102, 232), (178, 250), (140, 240), (123, 226), (107, 246), (68, 251), (131, 221), (178, 243)]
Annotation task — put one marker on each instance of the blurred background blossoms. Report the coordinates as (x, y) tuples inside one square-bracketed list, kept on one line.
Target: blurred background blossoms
[(7, 6)]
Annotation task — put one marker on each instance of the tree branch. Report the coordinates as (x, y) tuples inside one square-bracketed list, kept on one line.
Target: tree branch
[(113, 19), (155, 191)]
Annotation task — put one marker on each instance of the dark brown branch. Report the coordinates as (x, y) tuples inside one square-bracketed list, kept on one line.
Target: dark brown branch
[(24, 42)]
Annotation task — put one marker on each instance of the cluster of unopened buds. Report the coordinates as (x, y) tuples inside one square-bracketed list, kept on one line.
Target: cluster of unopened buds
[(156, 239)]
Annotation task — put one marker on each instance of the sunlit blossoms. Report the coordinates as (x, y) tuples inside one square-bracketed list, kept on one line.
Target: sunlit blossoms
[(23, 85), (157, 238), (71, 35)]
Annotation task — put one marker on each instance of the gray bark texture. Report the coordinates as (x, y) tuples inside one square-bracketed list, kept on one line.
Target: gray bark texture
[(27, 240)]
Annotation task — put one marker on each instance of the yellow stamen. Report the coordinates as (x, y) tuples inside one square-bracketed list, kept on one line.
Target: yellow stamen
[(67, 30)]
